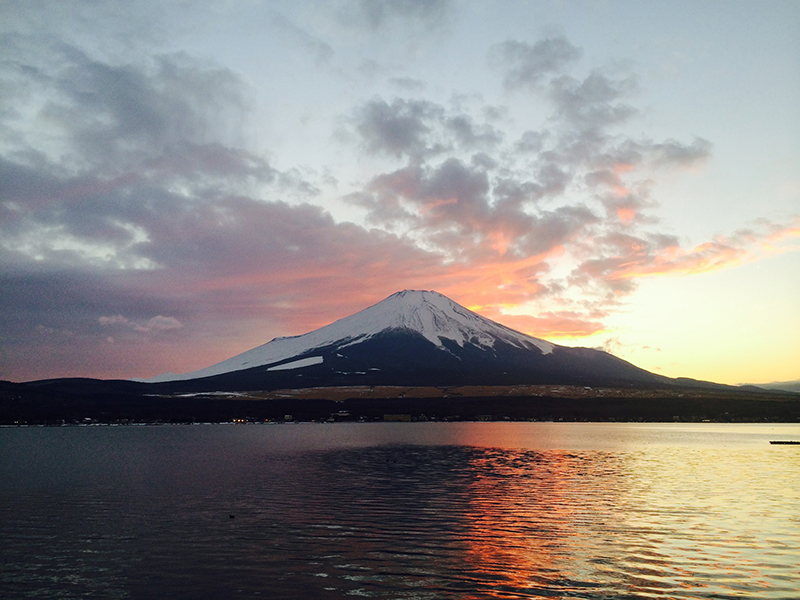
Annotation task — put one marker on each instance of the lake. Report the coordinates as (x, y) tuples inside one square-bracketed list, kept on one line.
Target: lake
[(400, 510)]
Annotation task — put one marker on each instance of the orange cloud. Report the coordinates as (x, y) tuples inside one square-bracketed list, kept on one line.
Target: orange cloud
[(620, 168), (550, 325), (626, 215), (488, 284), (779, 233), (744, 246)]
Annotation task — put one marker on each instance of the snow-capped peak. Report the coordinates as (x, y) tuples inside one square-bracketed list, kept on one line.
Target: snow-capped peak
[(428, 313), (437, 317)]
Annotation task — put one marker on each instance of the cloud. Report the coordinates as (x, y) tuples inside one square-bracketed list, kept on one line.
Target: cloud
[(123, 196), (459, 210), (119, 220), (563, 212), (470, 135), (382, 13), (527, 65), (397, 129), (591, 103), (555, 324), (87, 113), (408, 84), (416, 129), (230, 270), (672, 153), (530, 141), (131, 209), (628, 258), (322, 52), (157, 323)]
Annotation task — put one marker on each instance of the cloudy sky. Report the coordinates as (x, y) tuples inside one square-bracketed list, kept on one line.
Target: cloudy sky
[(182, 181)]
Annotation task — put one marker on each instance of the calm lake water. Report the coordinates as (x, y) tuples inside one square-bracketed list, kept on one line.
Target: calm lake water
[(405, 510)]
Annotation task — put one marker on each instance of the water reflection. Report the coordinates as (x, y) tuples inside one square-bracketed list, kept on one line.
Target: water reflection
[(482, 522), (147, 514)]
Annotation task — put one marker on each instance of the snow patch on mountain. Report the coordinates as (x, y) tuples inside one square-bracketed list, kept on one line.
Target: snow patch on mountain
[(428, 313), (297, 364)]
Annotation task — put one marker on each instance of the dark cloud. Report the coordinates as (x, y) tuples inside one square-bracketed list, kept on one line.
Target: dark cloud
[(416, 129), (673, 153), (399, 128), (513, 192), (464, 213), (470, 135), (628, 154), (531, 141), (116, 217), (100, 115), (483, 161), (217, 265), (528, 65), (50, 323), (594, 102)]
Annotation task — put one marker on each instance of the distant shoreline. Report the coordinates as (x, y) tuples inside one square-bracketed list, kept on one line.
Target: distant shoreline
[(380, 422), (21, 405)]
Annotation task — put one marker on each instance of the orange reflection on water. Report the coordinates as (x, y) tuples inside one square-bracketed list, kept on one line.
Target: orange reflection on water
[(529, 523)]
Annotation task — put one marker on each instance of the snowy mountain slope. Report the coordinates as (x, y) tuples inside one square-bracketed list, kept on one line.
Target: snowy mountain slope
[(436, 318)]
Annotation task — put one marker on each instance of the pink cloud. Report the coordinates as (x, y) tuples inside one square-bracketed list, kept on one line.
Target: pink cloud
[(553, 325), (640, 260)]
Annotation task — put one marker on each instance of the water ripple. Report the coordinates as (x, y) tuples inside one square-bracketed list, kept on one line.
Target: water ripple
[(175, 514)]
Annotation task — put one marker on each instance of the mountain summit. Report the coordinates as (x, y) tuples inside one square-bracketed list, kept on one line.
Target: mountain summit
[(411, 338)]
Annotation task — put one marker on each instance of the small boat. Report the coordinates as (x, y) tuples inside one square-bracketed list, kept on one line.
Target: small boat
[(786, 442)]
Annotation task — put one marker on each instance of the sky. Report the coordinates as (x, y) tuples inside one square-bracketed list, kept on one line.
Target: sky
[(183, 181)]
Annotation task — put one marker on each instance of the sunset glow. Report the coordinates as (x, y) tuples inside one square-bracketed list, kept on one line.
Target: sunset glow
[(179, 184)]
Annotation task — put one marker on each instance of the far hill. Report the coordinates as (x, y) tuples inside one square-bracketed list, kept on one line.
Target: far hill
[(785, 386)]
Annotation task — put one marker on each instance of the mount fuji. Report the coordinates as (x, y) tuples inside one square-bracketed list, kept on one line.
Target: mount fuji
[(410, 338), (415, 354)]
